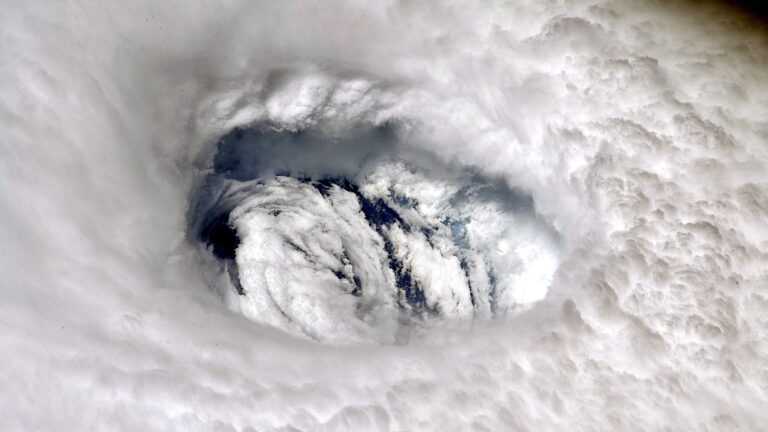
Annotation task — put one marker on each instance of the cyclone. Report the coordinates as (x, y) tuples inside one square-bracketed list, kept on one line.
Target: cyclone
[(394, 215)]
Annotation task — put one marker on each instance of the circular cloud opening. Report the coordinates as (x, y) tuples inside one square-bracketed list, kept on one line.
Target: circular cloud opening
[(357, 236)]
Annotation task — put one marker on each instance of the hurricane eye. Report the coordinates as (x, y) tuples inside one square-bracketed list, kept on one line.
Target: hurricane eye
[(358, 237)]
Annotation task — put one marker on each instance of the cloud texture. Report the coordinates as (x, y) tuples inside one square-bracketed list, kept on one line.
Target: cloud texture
[(638, 132)]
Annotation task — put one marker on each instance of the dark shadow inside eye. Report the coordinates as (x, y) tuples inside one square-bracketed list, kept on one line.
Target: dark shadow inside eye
[(221, 237), (263, 151)]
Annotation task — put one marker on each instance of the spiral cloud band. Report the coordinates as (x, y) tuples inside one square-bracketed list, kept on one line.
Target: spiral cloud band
[(391, 215)]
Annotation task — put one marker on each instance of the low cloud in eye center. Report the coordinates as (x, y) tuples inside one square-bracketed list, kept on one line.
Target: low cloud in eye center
[(355, 237)]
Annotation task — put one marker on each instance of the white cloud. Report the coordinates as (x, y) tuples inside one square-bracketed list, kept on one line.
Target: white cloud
[(637, 128)]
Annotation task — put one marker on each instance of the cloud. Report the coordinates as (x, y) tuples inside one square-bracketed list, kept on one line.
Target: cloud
[(635, 131)]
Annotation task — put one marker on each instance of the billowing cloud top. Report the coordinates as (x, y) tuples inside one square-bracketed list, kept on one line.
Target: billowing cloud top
[(385, 216)]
